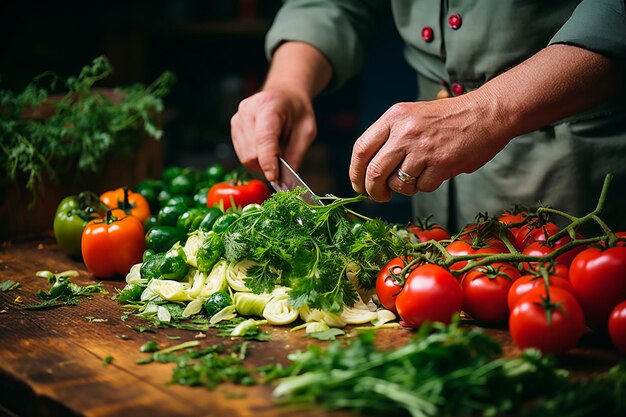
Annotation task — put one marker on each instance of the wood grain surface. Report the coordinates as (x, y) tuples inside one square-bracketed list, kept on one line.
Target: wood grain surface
[(51, 362)]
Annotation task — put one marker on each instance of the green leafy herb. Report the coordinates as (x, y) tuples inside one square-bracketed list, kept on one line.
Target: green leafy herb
[(107, 360), (310, 249), (95, 320), (63, 292), (41, 135), (9, 285), (249, 332), (204, 367), (451, 371), (149, 346)]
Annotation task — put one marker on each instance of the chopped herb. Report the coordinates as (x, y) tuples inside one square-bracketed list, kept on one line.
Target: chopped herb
[(63, 292), (142, 329), (107, 360), (122, 336), (172, 337), (9, 285), (329, 334), (149, 347), (95, 320), (249, 332)]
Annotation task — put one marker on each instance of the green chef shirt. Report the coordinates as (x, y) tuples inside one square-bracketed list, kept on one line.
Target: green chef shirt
[(458, 45)]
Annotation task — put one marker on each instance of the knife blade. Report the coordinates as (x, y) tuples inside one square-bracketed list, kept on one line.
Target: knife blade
[(288, 180)]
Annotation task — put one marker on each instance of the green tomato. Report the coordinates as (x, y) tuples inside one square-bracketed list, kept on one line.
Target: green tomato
[(72, 215)]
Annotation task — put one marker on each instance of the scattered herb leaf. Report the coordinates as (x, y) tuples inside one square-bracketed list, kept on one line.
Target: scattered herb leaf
[(9, 285)]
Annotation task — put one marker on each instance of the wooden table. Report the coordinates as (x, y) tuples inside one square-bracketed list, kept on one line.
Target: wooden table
[(51, 362)]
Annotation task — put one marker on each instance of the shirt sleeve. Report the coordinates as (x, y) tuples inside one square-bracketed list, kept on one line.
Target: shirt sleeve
[(599, 26), (340, 30)]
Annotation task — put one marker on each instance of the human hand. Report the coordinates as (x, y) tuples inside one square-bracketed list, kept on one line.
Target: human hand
[(430, 141), (268, 121)]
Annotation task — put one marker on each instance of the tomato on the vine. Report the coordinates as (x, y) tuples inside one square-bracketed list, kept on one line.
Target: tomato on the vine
[(550, 320), (599, 280), (430, 293), (617, 326), (461, 247), (389, 282), (485, 290), (425, 230), (526, 283), (237, 192)]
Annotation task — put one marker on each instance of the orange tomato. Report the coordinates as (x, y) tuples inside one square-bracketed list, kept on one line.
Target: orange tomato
[(132, 203)]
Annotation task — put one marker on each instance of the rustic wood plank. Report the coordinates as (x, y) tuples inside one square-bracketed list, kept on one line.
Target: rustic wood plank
[(51, 361)]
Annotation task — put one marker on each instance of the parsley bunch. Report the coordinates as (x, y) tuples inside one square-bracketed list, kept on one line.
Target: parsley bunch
[(41, 136), (311, 249)]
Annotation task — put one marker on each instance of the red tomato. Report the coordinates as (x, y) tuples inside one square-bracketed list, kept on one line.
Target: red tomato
[(617, 326), (553, 268), (527, 283), (110, 246), (426, 231), (599, 281), (430, 293), (461, 247), (389, 282), (485, 291), (512, 217), (539, 248), (239, 193), (556, 332)]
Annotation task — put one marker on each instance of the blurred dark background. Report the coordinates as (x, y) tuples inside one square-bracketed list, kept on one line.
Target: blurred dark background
[(216, 50)]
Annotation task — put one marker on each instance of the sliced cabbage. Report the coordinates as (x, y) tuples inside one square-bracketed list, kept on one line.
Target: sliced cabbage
[(236, 274), (244, 326), (168, 290), (194, 307), (316, 326), (134, 275), (384, 317), (333, 320), (227, 313), (215, 281), (278, 310), (197, 280), (358, 314), (194, 241), (249, 304)]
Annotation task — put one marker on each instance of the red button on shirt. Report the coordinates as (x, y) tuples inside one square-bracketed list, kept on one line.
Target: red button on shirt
[(427, 33), (457, 89), (455, 21)]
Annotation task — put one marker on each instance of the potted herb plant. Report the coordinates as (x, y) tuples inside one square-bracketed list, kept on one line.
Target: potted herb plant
[(53, 145)]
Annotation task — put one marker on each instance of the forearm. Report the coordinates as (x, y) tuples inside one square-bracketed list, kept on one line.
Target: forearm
[(557, 82), (298, 67)]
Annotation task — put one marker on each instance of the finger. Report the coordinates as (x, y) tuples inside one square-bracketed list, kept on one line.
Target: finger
[(403, 180), (429, 180), (268, 129), (246, 152), (380, 169), (300, 140), (363, 151)]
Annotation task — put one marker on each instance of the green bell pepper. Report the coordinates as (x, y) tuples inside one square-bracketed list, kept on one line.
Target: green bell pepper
[(72, 215), (162, 238), (168, 215), (210, 252), (191, 219), (167, 265)]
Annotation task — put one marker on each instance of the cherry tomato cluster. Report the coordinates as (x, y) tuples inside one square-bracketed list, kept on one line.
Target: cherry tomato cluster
[(517, 269)]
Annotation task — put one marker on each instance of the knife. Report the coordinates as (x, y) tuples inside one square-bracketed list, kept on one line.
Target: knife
[(288, 180)]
